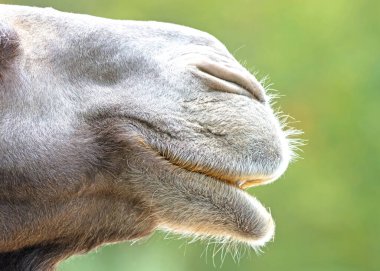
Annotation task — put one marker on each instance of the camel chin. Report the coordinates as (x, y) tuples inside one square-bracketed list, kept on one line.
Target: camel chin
[(112, 129)]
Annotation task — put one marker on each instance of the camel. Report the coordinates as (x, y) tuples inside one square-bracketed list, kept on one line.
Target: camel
[(112, 129)]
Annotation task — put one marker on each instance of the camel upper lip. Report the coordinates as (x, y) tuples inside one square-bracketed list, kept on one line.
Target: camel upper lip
[(239, 180)]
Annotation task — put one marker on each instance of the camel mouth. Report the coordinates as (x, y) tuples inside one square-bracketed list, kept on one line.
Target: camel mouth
[(242, 182), (237, 180), (245, 219)]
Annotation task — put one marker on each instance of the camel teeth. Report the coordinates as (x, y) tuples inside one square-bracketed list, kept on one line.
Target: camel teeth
[(240, 183)]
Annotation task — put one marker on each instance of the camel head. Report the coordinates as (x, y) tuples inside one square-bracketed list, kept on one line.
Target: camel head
[(113, 129)]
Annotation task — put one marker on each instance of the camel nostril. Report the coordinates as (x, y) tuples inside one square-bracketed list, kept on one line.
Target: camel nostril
[(230, 79)]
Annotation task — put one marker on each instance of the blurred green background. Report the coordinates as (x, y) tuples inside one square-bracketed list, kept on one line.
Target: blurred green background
[(324, 58)]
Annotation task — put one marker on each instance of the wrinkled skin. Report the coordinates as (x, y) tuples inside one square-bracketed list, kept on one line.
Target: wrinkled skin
[(111, 129)]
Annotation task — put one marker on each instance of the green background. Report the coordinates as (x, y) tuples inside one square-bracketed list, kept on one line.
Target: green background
[(323, 57)]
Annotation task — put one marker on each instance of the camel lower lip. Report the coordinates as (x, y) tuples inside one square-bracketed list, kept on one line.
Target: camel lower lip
[(254, 224)]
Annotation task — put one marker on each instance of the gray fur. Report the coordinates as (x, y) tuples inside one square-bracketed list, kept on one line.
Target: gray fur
[(108, 130)]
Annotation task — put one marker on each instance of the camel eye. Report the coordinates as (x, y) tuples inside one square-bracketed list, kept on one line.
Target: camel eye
[(228, 79)]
